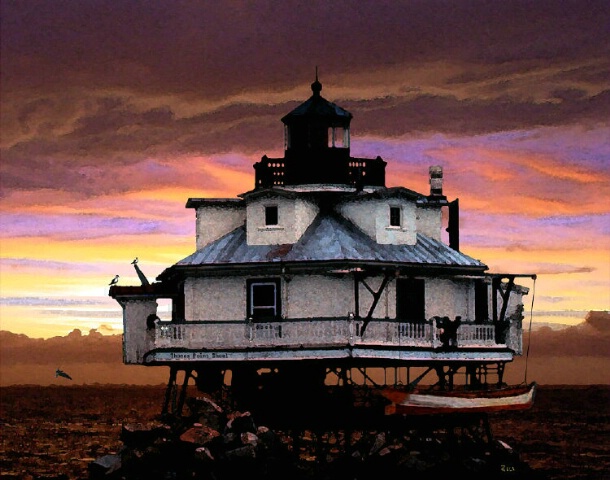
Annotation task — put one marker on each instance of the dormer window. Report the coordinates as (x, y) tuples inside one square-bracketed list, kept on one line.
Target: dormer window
[(395, 217), (271, 215)]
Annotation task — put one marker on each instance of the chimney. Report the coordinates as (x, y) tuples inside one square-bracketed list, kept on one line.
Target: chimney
[(436, 181)]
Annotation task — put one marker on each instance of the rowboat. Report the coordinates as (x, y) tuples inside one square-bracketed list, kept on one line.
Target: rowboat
[(429, 402)]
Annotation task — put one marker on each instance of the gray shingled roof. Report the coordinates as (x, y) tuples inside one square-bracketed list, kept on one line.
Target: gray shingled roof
[(330, 237)]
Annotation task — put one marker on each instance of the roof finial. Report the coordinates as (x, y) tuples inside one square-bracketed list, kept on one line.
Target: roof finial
[(316, 87)]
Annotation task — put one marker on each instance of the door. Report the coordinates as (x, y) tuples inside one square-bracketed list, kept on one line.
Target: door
[(411, 299), (481, 301)]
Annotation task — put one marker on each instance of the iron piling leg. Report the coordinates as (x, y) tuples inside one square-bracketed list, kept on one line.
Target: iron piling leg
[(168, 392), (487, 427), (500, 373), (187, 376)]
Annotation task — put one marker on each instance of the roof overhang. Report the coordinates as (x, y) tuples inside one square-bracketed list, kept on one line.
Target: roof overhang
[(154, 290), (214, 202), (325, 267), (267, 193)]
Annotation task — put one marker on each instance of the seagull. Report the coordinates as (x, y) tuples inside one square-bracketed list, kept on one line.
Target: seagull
[(135, 261), (115, 280), (61, 373)]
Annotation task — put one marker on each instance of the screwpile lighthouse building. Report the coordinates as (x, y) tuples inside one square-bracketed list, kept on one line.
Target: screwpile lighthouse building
[(321, 269)]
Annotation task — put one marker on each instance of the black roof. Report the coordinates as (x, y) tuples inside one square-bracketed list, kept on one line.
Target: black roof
[(318, 107)]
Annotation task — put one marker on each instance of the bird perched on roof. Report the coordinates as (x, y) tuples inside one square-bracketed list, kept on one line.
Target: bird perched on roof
[(115, 280), (135, 261), (61, 373)]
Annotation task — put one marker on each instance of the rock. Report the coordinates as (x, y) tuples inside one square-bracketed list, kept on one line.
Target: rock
[(249, 438), (200, 435), (204, 454), (265, 435), (104, 466), (205, 411), (380, 441), (241, 423), (143, 433), (247, 451)]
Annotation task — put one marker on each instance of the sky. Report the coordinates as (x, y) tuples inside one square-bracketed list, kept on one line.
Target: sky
[(113, 114)]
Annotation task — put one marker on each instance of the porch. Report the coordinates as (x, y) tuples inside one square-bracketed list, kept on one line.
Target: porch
[(324, 333)]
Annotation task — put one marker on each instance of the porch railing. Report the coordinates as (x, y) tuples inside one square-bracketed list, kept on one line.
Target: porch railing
[(312, 333)]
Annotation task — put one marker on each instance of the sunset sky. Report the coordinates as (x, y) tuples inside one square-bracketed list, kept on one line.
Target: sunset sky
[(114, 113)]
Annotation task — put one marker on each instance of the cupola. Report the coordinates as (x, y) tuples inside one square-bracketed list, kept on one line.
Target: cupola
[(317, 149), (316, 126)]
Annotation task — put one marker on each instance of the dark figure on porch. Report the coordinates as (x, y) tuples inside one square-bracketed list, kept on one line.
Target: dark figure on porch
[(151, 321), (448, 331)]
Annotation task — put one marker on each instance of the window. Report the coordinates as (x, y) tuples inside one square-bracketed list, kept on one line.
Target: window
[(338, 137), (286, 137), (165, 309), (263, 299), (271, 215), (395, 217)]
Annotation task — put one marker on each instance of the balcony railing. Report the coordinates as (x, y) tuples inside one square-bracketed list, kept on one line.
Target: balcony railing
[(315, 333)]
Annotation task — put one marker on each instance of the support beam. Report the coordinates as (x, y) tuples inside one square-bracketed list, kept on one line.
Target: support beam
[(505, 296), (366, 377), (356, 296), (376, 297)]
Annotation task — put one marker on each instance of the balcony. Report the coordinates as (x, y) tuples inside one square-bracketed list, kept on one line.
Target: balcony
[(318, 333)]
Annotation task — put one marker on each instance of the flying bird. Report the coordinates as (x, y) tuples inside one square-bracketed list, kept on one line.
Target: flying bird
[(135, 261), (61, 373), (115, 280)]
